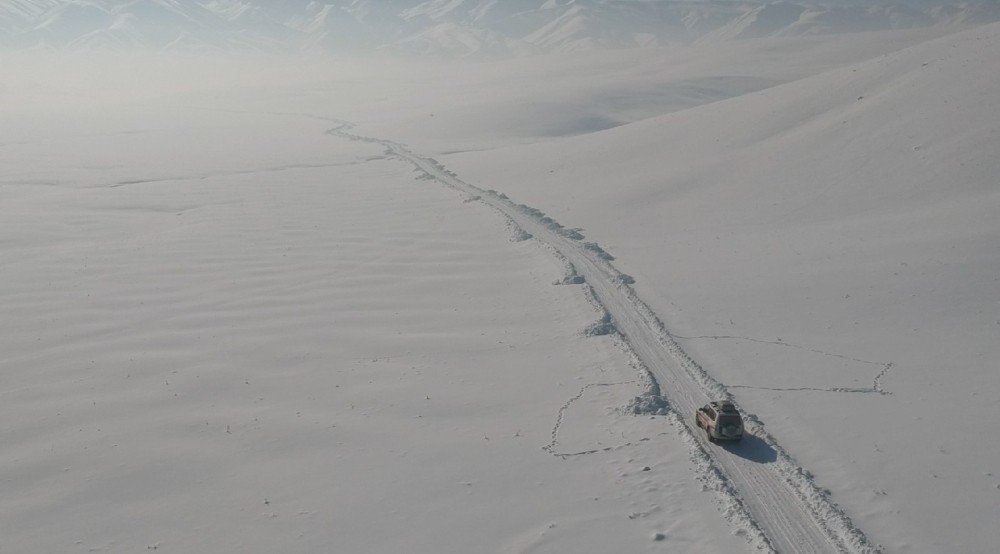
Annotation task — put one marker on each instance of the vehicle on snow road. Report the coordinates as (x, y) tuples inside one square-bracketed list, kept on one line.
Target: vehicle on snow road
[(720, 420)]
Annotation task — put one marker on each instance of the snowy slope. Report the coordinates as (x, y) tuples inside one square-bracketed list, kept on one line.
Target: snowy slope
[(798, 240), (216, 312), (482, 105)]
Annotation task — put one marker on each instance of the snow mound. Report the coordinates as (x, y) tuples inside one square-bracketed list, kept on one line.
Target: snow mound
[(602, 327), (648, 404)]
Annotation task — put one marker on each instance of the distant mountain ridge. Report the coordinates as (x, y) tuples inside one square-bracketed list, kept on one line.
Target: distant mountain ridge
[(447, 27)]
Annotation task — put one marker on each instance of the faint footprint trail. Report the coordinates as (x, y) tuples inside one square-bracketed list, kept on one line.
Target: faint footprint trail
[(876, 387), (551, 448)]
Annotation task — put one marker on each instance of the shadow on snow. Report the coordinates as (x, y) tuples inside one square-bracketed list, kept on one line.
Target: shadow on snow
[(751, 448)]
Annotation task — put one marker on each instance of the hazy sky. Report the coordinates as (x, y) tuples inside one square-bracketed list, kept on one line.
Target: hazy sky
[(446, 28)]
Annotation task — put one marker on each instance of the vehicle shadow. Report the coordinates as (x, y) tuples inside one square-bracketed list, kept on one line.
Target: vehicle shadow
[(752, 448)]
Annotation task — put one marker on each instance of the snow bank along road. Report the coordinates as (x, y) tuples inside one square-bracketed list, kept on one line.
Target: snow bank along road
[(770, 492)]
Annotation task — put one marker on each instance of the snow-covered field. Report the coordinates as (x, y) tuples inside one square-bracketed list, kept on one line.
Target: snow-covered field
[(799, 240), (234, 322), (296, 345)]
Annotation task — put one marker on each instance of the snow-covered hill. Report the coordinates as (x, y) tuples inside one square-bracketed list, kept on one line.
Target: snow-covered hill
[(227, 325), (447, 27), (802, 238)]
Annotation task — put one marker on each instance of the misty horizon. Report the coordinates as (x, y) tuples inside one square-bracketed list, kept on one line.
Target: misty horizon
[(478, 28)]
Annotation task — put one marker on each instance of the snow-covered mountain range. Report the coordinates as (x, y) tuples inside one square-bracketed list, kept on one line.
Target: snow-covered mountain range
[(448, 27)]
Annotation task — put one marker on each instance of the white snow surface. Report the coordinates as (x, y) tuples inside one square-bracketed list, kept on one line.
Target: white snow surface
[(229, 328), (233, 333), (800, 239)]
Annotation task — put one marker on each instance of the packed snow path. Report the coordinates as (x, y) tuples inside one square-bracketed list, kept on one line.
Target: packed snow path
[(777, 495)]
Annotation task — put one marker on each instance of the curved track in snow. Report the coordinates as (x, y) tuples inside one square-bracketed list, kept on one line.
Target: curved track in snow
[(774, 493)]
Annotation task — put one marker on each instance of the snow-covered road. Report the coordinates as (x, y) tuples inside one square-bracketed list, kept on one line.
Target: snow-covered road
[(771, 490)]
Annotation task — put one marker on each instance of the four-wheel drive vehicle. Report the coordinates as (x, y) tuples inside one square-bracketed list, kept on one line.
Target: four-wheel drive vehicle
[(720, 420)]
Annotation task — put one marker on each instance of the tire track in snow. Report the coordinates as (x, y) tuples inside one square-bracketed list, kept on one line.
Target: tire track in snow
[(771, 491)]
